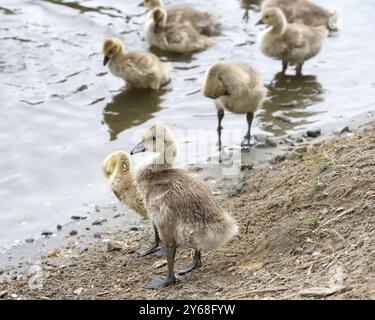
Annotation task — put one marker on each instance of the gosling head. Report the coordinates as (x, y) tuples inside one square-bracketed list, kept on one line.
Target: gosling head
[(213, 86), (111, 47), (159, 16), (158, 139), (152, 4), (272, 17), (114, 159)]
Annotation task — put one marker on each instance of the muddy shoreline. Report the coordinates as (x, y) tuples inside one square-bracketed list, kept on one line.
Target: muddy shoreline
[(265, 261)]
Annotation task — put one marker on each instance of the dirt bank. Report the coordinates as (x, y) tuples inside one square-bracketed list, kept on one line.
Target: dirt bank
[(307, 230)]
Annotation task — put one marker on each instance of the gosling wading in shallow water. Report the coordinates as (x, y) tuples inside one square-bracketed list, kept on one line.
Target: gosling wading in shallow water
[(117, 169), (305, 12), (139, 69), (237, 88), (292, 43), (180, 205), (173, 37), (204, 22)]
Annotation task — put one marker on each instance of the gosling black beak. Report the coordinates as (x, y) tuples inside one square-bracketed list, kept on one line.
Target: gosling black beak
[(259, 22), (105, 61), (156, 28), (138, 148)]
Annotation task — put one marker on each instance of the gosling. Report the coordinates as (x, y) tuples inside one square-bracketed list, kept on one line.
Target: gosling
[(181, 206), (291, 43), (204, 22), (173, 37), (305, 12), (139, 69), (117, 169), (237, 88)]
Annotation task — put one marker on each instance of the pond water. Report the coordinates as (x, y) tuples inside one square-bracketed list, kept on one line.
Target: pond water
[(61, 112)]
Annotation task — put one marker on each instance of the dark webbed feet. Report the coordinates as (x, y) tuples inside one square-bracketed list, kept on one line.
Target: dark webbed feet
[(160, 282), (195, 263), (154, 247)]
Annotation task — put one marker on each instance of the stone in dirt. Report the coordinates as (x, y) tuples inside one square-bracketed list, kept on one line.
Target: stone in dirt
[(30, 240), (313, 133), (47, 233), (73, 233), (78, 291), (59, 227), (159, 264), (99, 222), (3, 294)]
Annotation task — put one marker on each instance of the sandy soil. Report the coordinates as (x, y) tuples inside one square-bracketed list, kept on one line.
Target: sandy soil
[(307, 231)]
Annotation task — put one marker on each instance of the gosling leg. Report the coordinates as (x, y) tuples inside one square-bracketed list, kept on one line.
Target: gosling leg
[(299, 69), (155, 246), (195, 263), (160, 281), (247, 137), (220, 116), (285, 66)]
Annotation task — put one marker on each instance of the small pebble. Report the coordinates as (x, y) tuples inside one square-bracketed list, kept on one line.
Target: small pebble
[(134, 229), (99, 222), (97, 208), (73, 233), (3, 294), (75, 217), (30, 240), (97, 235), (47, 233), (59, 227), (314, 133)]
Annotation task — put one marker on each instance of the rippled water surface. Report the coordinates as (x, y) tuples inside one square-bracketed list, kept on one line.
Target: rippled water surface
[(61, 111)]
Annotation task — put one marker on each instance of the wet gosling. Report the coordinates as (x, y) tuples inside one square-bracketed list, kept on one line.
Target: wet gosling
[(204, 22), (174, 37), (181, 206), (117, 168), (139, 69), (237, 88), (305, 12), (291, 43)]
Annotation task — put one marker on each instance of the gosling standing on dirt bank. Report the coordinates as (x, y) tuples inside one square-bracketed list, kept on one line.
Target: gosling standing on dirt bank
[(292, 43), (139, 69), (237, 88), (181, 206), (204, 22), (117, 168), (174, 37)]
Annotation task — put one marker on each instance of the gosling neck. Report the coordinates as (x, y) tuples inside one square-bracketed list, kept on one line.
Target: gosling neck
[(164, 159), (279, 27)]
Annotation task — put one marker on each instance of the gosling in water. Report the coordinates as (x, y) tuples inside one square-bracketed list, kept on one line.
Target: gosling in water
[(204, 22), (139, 69), (305, 12), (237, 88), (173, 37), (117, 168), (181, 206), (292, 43)]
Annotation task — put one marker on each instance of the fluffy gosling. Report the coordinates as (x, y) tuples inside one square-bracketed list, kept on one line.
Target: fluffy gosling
[(204, 22), (173, 37), (139, 69), (237, 88), (117, 169), (291, 43), (305, 12), (181, 206)]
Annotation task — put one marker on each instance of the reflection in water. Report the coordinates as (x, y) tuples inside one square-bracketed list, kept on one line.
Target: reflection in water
[(131, 108), (289, 98)]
